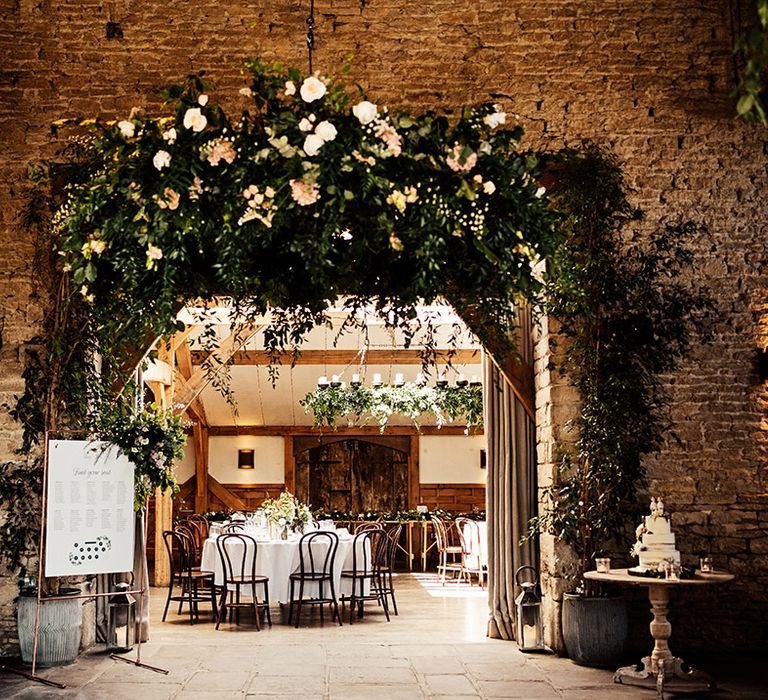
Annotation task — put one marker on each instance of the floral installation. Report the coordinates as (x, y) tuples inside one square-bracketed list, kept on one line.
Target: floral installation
[(362, 404), (152, 439), (286, 511), (367, 202)]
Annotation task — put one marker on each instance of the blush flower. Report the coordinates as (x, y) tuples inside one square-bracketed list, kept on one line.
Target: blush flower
[(496, 118), (388, 134), (202, 100), (305, 125), (461, 159), (312, 89), (218, 150), (290, 88), (161, 160), (170, 135), (304, 193), (489, 187), (194, 119), (153, 255)]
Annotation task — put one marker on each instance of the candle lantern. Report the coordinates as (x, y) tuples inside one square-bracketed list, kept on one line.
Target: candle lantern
[(121, 616), (530, 631)]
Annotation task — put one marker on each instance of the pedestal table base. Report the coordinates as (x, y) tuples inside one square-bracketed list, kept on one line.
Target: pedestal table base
[(673, 675)]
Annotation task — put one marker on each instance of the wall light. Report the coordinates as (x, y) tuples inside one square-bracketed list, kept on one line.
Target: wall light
[(245, 459)]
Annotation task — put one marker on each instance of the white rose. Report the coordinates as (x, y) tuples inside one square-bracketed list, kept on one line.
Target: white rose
[(305, 125), (127, 129), (161, 160), (194, 119), (312, 144), (489, 187), (153, 252), (365, 111), (326, 131), (170, 135), (202, 100), (312, 89), (290, 88), (246, 92), (495, 119)]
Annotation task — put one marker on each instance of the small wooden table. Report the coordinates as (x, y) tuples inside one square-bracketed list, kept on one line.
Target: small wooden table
[(661, 668)]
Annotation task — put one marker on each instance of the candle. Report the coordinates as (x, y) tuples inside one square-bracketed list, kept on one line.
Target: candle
[(377, 379), (322, 381), (420, 378), (399, 379), (335, 379), (355, 378)]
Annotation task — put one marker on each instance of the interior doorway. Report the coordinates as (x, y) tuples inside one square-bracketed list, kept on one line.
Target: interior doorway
[(353, 474)]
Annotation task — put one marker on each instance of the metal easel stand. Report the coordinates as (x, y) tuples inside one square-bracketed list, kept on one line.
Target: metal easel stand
[(32, 676)]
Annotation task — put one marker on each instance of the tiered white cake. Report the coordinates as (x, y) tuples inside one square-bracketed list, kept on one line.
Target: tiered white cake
[(655, 540)]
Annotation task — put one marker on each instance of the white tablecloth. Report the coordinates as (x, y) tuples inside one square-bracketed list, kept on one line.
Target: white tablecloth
[(278, 559)]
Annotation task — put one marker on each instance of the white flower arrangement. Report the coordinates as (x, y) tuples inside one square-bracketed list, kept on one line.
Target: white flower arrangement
[(286, 511)]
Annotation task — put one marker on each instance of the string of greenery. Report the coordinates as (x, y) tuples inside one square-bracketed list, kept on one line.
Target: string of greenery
[(447, 404), (751, 49)]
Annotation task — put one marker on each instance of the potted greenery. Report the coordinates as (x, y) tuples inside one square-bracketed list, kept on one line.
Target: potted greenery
[(627, 313)]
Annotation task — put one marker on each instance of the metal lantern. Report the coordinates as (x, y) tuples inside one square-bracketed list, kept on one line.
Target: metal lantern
[(121, 615), (530, 630)]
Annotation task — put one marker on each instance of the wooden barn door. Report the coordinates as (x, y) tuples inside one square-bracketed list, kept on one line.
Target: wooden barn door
[(353, 474)]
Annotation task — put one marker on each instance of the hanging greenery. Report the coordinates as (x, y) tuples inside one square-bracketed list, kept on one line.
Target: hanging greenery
[(362, 403), (751, 49)]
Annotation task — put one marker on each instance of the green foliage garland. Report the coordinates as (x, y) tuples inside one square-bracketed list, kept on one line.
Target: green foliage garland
[(751, 48), (447, 404)]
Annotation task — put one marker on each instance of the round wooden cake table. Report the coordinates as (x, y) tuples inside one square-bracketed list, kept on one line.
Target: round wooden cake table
[(661, 668)]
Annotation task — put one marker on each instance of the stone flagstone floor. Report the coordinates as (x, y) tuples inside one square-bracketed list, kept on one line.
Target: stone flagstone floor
[(436, 648)]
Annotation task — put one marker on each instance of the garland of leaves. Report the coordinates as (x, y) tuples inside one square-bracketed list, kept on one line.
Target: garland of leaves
[(447, 404), (751, 49)]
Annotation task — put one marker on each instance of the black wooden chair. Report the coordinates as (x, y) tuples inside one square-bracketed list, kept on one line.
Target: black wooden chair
[(369, 555), (235, 552), (386, 580), (317, 555), (183, 574)]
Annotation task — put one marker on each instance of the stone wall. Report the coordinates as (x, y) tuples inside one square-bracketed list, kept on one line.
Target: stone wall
[(650, 79)]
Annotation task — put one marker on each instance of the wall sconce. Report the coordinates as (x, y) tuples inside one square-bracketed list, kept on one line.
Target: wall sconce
[(245, 459), (483, 460)]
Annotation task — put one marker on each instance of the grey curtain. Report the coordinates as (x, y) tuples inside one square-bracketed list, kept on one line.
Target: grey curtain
[(140, 572), (511, 493)]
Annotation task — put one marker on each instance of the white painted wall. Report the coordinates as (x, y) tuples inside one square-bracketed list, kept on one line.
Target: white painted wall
[(451, 459), (269, 458)]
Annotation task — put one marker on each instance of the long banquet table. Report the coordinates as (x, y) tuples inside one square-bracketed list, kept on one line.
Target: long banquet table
[(278, 559)]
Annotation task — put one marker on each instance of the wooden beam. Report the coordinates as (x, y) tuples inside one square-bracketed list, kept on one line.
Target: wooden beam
[(282, 430), (220, 357), (414, 477), (346, 357), (225, 496), (289, 466), (200, 437), (196, 410), (163, 521), (520, 378)]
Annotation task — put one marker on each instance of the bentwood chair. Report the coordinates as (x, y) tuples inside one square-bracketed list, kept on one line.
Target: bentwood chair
[(450, 554), (386, 581), (234, 526), (317, 555), (188, 579), (238, 561), (469, 536), (369, 551)]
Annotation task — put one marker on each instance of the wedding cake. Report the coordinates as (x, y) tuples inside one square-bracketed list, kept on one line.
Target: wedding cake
[(655, 540)]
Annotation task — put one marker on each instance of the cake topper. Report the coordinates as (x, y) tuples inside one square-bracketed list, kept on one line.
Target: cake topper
[(654, 506)]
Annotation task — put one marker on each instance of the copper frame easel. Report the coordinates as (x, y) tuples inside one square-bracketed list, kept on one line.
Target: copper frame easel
[(142, 591)]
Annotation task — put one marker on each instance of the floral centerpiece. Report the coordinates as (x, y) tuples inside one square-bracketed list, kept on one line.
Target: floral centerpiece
[(286, 513)]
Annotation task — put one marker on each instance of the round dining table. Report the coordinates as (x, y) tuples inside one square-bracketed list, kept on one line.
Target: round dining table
[(662, 668), (278, 559)]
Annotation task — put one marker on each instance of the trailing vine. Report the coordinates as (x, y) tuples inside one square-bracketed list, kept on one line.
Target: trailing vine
[(751, 49), (629, 311)]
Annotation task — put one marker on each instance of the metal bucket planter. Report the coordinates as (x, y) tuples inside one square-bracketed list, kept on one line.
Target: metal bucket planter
[(59, 635), (594, 629)]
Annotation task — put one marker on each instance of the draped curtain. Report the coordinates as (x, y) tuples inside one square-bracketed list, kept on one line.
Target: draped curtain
[(511, 488)]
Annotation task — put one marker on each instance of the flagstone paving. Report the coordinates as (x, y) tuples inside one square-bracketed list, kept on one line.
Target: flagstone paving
[(436, 648)]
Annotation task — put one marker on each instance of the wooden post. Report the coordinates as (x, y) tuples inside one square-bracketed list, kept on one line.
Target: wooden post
[(163, 521), (200, 437), (289, 465), (414, 478)]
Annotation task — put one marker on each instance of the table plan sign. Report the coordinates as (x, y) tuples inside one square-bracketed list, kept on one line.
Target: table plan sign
[(90, 518)]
